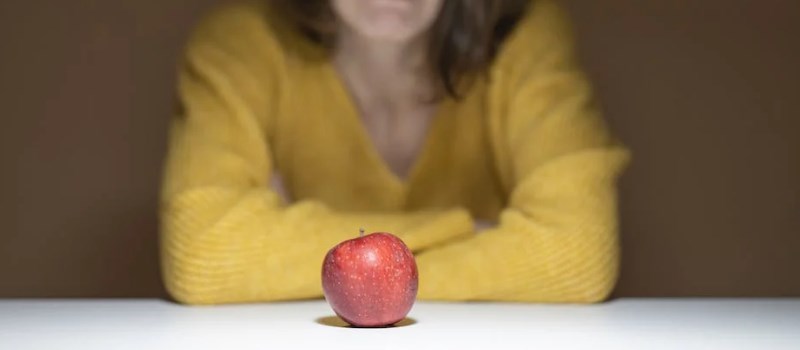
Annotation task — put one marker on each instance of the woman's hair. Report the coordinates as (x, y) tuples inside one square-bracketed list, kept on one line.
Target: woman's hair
[(464, 38)]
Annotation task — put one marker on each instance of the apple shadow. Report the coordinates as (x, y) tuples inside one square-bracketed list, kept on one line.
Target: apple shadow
[(336, 321)]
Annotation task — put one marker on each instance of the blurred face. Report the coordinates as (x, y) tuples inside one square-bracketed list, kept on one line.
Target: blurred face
[(387, 20)]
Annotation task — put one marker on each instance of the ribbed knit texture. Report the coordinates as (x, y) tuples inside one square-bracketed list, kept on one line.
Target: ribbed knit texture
[(526, 148)]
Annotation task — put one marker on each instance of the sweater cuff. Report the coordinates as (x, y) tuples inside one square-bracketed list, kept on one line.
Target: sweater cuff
[(439, 228)]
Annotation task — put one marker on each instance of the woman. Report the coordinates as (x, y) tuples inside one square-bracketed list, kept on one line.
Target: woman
[(431, 119)]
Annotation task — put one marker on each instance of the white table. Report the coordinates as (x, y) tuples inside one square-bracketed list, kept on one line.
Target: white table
[(620, 324)]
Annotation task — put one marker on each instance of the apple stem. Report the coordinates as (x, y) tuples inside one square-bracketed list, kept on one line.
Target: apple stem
[(361, 232)]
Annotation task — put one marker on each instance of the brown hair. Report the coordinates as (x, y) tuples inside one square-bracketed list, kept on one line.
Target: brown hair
[(464, 40)]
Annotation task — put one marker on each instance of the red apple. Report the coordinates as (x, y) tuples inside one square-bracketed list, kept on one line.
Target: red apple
[(370, 281)]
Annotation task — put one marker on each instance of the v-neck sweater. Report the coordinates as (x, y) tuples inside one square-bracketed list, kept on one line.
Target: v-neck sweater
[(525, 147)]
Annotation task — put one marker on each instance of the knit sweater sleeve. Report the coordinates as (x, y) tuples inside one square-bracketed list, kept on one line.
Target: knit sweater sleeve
[(556, 240), (226, 236)]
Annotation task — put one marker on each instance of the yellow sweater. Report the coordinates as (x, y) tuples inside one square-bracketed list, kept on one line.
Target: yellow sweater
[(526, 148)]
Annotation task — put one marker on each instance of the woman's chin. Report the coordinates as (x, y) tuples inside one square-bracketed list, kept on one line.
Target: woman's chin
[(388, 32)]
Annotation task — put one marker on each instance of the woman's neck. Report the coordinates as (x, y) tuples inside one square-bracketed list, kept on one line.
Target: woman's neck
[(393, 73)]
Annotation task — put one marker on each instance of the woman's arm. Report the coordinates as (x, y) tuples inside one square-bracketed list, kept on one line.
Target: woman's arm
[(557, 239), (226, 235)]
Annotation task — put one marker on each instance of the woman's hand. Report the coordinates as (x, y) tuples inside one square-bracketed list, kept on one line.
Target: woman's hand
[(482, 225), (276, 184)]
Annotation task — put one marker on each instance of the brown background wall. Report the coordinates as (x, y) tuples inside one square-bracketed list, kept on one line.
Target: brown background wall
[(707, 93)]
